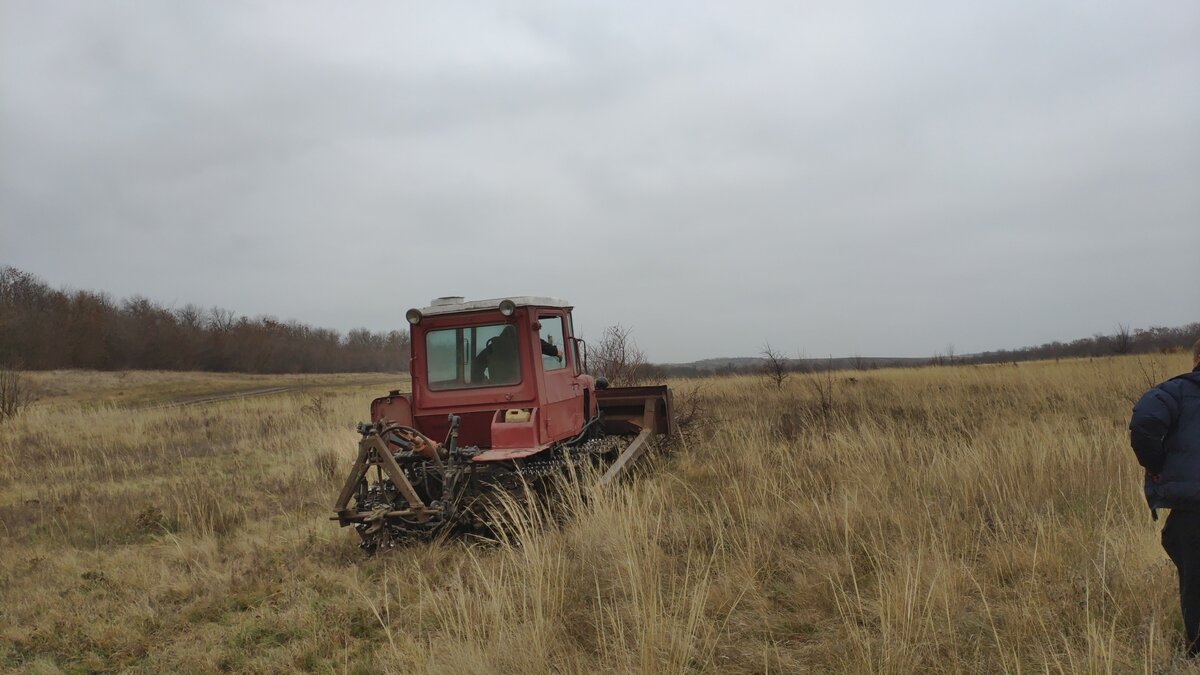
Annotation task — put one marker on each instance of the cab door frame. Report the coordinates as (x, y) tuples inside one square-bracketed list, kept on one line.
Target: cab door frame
[(561, 411)]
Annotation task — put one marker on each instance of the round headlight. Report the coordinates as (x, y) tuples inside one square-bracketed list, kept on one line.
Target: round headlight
[(413, 315), (507, 307)]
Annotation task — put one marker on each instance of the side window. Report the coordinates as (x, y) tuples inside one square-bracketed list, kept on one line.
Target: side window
[(552, 340), (441, 353)]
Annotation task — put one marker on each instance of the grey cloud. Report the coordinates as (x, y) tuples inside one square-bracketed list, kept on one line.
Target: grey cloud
[(854, 178)]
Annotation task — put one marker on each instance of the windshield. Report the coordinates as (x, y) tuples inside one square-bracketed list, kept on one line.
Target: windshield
[(472, 356)]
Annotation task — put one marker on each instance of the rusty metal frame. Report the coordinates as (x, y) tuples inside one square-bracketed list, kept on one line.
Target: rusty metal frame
[(637, 448), (624, 409), (373, 451)]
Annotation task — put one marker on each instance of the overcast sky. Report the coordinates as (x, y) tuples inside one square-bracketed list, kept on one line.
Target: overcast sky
[(840, 178)]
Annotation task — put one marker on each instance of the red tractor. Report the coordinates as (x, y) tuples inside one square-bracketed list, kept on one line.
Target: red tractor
[(504, 385)]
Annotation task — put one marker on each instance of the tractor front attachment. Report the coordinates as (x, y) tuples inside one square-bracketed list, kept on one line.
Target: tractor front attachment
[(644, 411), (404, 485), (393, 496)]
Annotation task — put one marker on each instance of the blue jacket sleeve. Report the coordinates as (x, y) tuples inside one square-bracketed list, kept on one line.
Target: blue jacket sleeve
[(1154, 416)]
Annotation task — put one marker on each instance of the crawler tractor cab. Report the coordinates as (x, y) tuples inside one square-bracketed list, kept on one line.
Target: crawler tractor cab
[(500, 397)]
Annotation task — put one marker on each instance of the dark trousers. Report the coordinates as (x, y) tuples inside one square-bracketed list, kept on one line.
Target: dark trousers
[(1181, 539)]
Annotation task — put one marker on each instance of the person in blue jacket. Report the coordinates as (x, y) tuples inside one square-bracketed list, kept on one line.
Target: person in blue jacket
[(1165, 435)]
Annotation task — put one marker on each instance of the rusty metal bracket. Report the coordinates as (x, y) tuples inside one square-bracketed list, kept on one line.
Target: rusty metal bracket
[(637, 447), (356, 474), (393, 470), (373, 451)]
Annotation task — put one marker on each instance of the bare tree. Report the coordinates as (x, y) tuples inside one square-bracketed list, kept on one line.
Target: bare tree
[(616, 357), (1122, 339), (190, 317), (943, 358), (221, 320), (775, 365)]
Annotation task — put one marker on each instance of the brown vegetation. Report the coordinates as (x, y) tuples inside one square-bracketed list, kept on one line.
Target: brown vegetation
[(617, 357), (15, 394), (775, 367), (957, 519), (42, 328), (1154, 340)]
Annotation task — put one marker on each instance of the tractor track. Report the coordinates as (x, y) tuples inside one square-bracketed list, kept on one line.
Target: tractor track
[(217, 398)]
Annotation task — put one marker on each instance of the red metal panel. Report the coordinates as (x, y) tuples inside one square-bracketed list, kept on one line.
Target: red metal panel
[(512, 440), (395, 408), (509, 435), (427, 400), (562, 408), (475, 428), (556, 395)]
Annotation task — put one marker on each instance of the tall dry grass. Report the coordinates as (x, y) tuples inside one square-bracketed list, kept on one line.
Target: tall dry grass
[(960, 519)]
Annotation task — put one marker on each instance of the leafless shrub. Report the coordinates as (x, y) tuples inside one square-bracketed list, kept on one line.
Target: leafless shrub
[(152, 520), (775, 366), (1152, 375), (822, 387), (1122, 339), (15, 394), (690, 409), (945, 358), (316, 408), (617, 357)]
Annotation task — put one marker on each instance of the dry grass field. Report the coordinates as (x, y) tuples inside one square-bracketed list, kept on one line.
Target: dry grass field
[(955, 519)]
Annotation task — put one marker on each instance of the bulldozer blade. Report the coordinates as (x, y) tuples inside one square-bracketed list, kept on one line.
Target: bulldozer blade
[(625, 409), (644, 409)]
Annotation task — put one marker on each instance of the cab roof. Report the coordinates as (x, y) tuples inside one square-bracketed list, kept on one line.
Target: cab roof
[(456, 304)]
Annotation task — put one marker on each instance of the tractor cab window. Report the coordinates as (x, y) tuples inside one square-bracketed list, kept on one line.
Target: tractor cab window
[(472, 356), (554, 351)]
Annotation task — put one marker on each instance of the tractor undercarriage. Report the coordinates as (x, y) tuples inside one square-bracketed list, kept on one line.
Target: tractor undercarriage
[(404, 487)]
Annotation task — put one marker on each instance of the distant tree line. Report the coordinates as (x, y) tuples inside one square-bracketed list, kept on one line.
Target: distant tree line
[(1123, 340), (43, 328), (776, 366), (1156, 339)]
